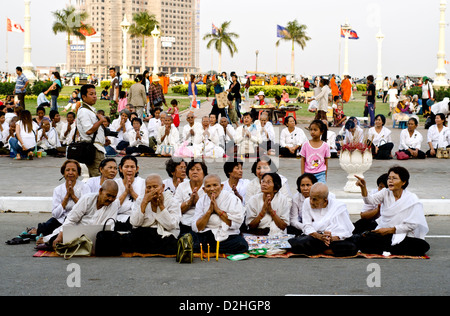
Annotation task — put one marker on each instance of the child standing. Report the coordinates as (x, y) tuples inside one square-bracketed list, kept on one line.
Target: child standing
[(174, 111), (316, 152)]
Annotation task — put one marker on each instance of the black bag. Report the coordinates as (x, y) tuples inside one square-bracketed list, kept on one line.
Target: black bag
[(108, 243), (83, 152)]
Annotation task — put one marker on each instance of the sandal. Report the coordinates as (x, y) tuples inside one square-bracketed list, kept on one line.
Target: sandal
[(18, 241)]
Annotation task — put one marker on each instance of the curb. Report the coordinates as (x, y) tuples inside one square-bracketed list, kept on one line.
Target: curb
[(433, 207)]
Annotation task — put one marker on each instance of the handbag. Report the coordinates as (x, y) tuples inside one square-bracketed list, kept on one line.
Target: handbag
[(108, 243), (222, 100), (442, 153), (80, 247), (401, 155), (83, 152), (185, 251)]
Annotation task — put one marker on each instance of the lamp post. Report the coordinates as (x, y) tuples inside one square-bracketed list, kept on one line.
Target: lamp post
[(257, 53), (125, 26), (380, 38), (346, 28), (27, 65), (440, 80), (155, 34)]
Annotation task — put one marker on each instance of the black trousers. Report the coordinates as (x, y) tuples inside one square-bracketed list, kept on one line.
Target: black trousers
[(48, 227), (376, 244), (147, 240), (384, 151), (310, 246), (233, 245)]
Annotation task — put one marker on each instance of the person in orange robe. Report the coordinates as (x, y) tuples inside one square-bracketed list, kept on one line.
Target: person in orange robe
[(283, 81), (346, 88), (334, 87)]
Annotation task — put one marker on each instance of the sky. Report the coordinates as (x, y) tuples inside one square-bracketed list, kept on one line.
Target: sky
[(410, 47)]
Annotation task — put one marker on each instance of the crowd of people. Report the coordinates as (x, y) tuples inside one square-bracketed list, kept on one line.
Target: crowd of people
[(153, 212)]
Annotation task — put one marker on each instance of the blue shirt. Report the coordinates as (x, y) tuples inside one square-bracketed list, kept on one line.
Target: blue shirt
[(20, 83)]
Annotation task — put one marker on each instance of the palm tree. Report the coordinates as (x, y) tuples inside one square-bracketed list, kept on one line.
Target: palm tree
[(143, 25), (296, 33), (70, 21), (220, 38)]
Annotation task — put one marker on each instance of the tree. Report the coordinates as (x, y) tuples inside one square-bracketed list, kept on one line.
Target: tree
[(222, 37), (70, 21), (296, 33), (143, 25)]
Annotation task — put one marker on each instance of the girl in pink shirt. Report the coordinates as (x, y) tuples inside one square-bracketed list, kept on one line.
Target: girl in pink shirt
[(316, 152)]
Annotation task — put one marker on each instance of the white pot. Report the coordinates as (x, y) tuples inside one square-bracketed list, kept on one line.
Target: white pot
[(354, 163)]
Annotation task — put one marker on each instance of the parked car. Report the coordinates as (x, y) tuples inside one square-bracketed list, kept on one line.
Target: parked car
[(83, 78)]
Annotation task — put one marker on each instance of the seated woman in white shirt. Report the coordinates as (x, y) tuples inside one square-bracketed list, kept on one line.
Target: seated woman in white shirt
[(402, 225), (438, 135), (176, 170), (191, 131), (227, 142), (411, 140), (268, 145), (108, 171), (380, 138), (218, 217), (122, 125), (68, 130), (352, 133), (292, 138), (138, 139), (189, 192), (261, 166), (247, 137), (233, 169), (131, 187), (65, 196), (154, 124), (155, 219), (168, 138), (268, 212), (48, 140), (25, 141)]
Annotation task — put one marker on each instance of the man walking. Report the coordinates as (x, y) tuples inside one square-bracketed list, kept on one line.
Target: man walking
[(21, 86)]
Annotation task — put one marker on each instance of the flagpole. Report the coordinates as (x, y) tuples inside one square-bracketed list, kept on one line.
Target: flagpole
[(6, 61), (340, 49)]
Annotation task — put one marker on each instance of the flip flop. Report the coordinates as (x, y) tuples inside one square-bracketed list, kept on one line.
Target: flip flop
[(18, 241)]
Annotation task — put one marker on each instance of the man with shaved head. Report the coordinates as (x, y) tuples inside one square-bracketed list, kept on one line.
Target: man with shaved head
[(91, 209), (218, 216), (155, 219), (327, 227)]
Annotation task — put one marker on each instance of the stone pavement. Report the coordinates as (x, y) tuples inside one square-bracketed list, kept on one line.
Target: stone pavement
[(28, 185)]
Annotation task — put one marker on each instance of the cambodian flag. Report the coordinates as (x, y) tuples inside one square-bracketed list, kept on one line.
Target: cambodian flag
[(351, 34), (215, 29), (282, 32)]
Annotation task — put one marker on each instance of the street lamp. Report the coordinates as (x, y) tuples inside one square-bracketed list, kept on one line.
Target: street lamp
[(380, 38), (441, 72), (125, 26), (27, 65), (257, 53), (155, 34), (346, 29)]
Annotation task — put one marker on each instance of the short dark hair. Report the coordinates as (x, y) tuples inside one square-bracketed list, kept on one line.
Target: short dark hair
[(84, 89), (370, 78), (267, 159), (105, 161), (277, 183), (122, 162), (382, 117), (228, 166), (402, 173), (64, 165), (71, 113), (172, 164), (137, 119), (193, 162), (52, 114), (310, 176), (383, 180), (19, 68)]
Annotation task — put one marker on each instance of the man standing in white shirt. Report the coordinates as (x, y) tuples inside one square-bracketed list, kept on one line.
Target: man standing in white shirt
[(427, 94), (89, 124), (326, 226)]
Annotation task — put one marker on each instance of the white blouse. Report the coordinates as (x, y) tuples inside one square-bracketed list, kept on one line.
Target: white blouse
[(381, 138), (407, 141), (60, 213), (438, 139), (183, 194), (127, 205), (288, 139), (28, 138)]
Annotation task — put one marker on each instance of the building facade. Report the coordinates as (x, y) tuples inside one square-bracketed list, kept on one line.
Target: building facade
[(177, 49)]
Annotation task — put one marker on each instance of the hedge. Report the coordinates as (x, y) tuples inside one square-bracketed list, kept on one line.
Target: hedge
[(269, 91), (440, 94), (126, 84), (7, 88)]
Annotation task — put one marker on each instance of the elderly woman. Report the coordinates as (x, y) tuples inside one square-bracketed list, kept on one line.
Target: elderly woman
[(189, 192), (168, 138), (402, 225), (380, 138), (234, 171), (260, 167), (108, 170), (47, 139), (176, 170), (65, 196), (268, 212), (131, 187), (438, 135), (247, 136), (411, 140), (292, 138)]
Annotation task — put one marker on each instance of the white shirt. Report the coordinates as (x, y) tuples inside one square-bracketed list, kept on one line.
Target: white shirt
[(169, 186), (66, 140), (153, 126), (425, 88), (134, 142), (381, 138), (280, 204), (296, 219), (267, 128), (85, 120), (438, 139), (60, 213), (183, 194), (166, 221), (393, 93), (294, 138), (186, 133), (227, 202), (28, 138), (122, 136), (241, 187), (441, 107), (246, 144), (407, 141), (125, 209), (52, 140), (173, 139), (254, 188)]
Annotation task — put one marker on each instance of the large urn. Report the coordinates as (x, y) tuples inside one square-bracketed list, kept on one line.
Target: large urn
[(355, 163)]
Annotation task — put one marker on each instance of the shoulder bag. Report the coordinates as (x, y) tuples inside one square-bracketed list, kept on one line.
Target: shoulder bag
[(80, 247), (108, 243)]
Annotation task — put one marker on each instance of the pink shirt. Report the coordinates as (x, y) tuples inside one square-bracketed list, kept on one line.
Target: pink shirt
[(315, 157), (122, 104)]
